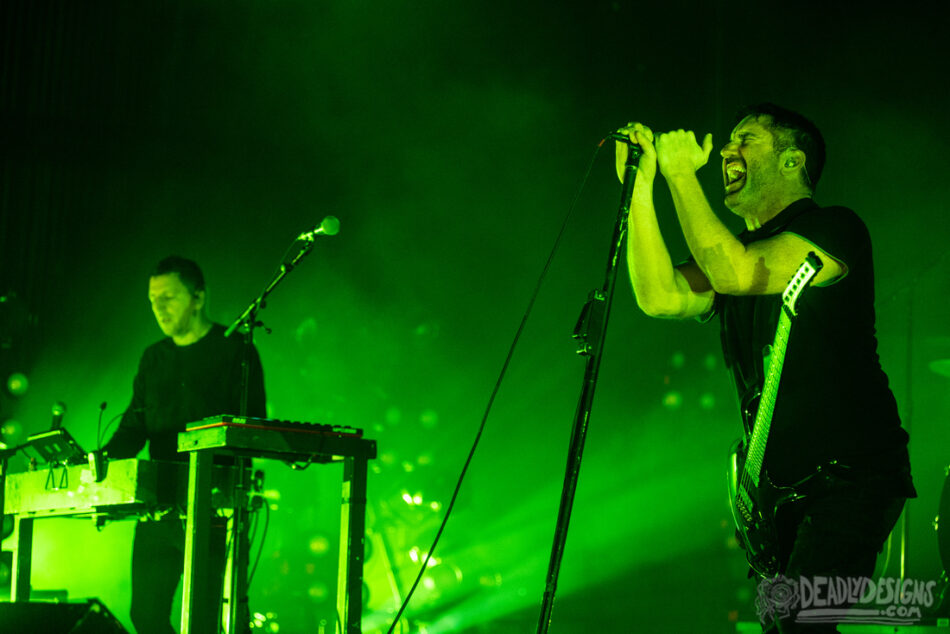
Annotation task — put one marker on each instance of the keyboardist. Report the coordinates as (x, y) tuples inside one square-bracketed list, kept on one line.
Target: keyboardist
[(192, 373)]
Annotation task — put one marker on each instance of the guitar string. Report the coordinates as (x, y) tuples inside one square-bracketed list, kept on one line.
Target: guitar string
[(756, 451)]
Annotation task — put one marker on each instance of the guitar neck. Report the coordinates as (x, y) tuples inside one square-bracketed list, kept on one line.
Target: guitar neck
[(763, 416)]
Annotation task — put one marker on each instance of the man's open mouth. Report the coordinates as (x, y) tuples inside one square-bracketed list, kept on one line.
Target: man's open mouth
[(734, 177)]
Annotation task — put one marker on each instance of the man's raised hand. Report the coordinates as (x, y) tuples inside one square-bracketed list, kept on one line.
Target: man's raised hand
[(679, 153), (642, 136)]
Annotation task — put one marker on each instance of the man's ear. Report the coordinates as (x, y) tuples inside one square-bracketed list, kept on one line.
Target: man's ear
[(793, 162), (793, 158), (200, 299)]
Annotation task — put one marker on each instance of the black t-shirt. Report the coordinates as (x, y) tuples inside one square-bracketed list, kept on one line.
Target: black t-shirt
[(833, 401), (176, 385)]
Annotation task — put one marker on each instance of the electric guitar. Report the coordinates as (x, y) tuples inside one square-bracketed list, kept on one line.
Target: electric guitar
[(755, 500)]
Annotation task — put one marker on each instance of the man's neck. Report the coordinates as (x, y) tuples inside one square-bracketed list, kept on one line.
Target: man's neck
[(771, 209), (201, 328)]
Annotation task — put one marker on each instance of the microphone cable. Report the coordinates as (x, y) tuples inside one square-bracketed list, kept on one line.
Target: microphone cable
[(102, 408), (504, 368)]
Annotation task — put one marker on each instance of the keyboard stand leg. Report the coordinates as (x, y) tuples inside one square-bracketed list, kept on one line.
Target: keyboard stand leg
[(22, 559), (194, 605), (352, 537)]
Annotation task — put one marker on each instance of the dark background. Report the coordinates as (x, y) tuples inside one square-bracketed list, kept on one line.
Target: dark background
[(449, 139)]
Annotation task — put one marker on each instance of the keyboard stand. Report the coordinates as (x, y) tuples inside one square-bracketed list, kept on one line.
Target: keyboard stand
[(297, 445)]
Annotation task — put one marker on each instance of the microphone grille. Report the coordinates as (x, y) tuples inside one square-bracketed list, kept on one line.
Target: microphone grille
[(330, 226)]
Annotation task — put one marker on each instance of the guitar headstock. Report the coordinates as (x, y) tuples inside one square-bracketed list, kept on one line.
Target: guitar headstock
[(806, 272)]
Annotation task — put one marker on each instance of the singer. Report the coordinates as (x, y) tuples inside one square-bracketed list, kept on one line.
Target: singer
[(835, 433), (192, 373)]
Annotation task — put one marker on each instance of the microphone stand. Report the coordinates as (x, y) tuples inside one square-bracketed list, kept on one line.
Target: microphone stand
[(247, 318), (589, 331), (239, 548)]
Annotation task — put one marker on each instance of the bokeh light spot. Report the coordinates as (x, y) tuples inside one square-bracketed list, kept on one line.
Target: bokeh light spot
[(429, 418), (10, 431), (678, 360), (319, 545), (18, 384), (318, 592), (306, 330), (672, 400), (393, 415)]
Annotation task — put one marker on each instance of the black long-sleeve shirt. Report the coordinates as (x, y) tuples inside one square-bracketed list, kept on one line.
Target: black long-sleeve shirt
[(176, 385)]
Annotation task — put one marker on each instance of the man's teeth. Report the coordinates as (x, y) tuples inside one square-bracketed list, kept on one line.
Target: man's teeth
[(734, 173)]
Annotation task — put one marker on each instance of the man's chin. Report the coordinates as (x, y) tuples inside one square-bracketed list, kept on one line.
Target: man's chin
[(731, 201)]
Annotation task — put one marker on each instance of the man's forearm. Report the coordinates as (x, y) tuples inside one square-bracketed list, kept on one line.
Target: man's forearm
[(648, 259), (713, 246)]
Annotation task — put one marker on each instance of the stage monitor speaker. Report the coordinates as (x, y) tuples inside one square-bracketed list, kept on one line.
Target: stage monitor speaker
[(91, 617)]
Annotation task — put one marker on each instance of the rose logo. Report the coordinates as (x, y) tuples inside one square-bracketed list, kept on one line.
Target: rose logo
[(776, 598)]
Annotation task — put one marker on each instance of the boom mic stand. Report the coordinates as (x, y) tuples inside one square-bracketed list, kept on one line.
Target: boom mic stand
[(590, 330), (247, 322)]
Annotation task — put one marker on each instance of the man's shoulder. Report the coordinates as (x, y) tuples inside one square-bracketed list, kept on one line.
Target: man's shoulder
[(216, 336), (830, 218), (154, 354), (216, 332), (158, 347), (214, 339), (216, 343), (837, 212)]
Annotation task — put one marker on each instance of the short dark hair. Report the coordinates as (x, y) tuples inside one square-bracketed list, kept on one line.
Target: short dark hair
[(791, 129), (188, 272)]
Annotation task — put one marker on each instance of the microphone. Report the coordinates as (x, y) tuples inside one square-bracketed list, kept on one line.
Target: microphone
[(634, 151), (617, 136), (59, 408), (329, 226)]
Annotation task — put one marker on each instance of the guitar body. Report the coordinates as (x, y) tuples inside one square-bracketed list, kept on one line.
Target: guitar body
[(756, 511)]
